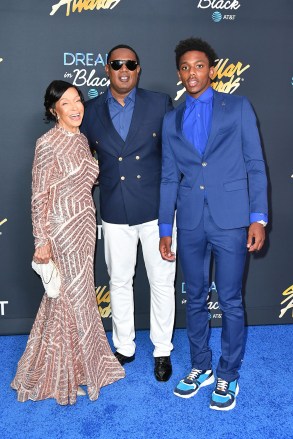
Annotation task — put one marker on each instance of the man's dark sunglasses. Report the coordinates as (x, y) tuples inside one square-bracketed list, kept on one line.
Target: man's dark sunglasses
[(116, 64)]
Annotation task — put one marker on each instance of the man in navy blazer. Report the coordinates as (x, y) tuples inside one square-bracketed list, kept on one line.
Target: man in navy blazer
[(213, 173), (124, 126)]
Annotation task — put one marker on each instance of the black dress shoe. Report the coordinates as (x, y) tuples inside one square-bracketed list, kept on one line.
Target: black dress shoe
[(122, 358), (163, 368)]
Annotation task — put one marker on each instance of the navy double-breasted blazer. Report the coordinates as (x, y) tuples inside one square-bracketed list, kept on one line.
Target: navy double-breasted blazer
[(130, 170), (230, 175)]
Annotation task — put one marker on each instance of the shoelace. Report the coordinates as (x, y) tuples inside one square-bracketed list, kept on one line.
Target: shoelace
[(222, 385), (194, 374)]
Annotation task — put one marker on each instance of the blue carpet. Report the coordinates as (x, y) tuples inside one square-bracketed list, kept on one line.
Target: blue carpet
[(139, 407)]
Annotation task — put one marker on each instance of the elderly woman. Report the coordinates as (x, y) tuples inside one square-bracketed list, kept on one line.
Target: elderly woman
[(67, 346)]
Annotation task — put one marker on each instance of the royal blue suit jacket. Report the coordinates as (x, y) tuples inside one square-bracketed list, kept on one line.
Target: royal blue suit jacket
[(130, 170), (230, 175)]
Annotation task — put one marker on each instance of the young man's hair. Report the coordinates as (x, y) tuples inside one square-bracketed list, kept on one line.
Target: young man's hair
[(197, 44), (123, 46)]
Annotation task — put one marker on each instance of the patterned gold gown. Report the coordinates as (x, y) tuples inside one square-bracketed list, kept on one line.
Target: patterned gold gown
[(67, 346)]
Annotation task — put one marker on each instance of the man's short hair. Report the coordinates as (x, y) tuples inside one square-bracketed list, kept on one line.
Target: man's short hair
[(197, 44), (123, 46)]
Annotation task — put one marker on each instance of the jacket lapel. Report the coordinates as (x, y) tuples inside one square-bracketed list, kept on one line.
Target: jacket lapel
[(137, 117), (219, 107), (103, 115)]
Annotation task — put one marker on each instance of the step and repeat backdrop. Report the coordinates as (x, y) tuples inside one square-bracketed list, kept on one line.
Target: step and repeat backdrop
[(45, 40)]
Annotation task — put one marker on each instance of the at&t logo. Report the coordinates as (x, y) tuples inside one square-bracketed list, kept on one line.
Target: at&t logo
[(217, 16)]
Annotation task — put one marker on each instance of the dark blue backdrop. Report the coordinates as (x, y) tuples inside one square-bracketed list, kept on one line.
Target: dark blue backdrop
[(254, 44)]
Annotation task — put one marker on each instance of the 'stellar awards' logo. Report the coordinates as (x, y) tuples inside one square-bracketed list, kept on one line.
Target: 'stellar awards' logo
[(89, 71), (2, 222), (84, 5), (224, 5), (287, 302), (103, 301), (227, 77)]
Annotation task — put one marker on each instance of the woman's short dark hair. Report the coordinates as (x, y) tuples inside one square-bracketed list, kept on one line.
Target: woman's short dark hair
[(53, 93), (123, 46), (195, 44)]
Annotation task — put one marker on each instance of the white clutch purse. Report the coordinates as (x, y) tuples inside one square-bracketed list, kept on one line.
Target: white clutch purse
[(50, 277)]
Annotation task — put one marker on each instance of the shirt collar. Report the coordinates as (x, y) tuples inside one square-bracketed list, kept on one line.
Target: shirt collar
[(205, 97), (129, 97)]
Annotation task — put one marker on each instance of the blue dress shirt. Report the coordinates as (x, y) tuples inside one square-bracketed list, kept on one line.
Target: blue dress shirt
[(197, 119), (121, 115), (197, 122)]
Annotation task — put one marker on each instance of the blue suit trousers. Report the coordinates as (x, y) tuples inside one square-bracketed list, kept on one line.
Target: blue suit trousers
[(229, 251)]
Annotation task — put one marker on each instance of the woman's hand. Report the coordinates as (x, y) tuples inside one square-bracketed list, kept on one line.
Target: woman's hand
[(43, 254)]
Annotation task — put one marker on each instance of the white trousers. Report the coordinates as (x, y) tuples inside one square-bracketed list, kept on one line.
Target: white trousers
[(121, 242)]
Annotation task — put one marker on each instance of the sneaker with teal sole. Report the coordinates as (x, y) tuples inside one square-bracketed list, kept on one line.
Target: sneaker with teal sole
[(224, 395), (191, 384)]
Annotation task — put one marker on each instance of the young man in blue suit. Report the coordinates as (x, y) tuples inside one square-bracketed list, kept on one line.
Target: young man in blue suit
[(213, 173), (124, 126)]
